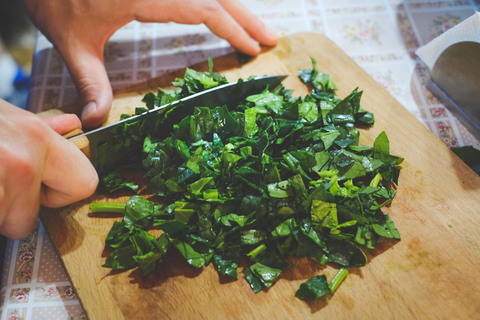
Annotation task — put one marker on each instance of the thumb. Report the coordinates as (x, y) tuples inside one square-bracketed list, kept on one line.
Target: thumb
[(90, 77)]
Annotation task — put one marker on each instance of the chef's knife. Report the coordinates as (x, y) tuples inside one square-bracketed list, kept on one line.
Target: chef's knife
[(218, 96)]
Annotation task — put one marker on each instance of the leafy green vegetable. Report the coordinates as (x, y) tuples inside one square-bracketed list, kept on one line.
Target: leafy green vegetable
[(259, 276), (271, 177), (314, 288), (318, 286), (114, 181)]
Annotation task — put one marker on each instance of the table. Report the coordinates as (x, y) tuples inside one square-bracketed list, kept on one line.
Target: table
[(380, 35)]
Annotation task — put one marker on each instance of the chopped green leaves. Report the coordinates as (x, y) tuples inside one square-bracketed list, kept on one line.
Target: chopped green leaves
[(269, 178)]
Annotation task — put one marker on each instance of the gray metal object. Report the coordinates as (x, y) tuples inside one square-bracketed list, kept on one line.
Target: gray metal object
[(455, 80), (217, 96)]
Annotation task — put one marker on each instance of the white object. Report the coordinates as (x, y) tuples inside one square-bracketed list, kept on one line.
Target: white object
[(468, 30)]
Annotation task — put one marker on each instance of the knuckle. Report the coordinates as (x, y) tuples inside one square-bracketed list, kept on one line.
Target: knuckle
[(35, 129), (18, 165), (24, 170), (211, 6), (86, 87), (210, 10)]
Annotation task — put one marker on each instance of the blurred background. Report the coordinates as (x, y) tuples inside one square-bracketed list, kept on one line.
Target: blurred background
[(17, 43)]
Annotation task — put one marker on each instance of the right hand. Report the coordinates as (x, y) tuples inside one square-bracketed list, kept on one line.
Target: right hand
[(79, 30), (38, 167)]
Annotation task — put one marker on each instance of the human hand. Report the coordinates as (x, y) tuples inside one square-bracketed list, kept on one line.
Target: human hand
[(79, 29), (38, 167)]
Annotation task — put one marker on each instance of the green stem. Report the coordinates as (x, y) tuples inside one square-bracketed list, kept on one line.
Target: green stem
[(107, 207), (260, 249), (337, 280), (376, 180)]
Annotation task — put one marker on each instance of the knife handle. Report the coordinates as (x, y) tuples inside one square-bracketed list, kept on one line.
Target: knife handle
[(81, 143)]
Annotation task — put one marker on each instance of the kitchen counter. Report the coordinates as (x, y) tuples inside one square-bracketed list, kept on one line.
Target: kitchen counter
[(380, 35)]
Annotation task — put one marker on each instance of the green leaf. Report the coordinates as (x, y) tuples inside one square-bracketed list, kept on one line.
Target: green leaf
[(121, 258), (117, 235), (226, 266), (114, 181), (252, 237), (254, 280), (329, 137), (195, 258), (314, 288), (381, 144), (320, 81), (171, 226), (266, 102), (346, 254), (232, 217), (184, 210), (227, 258), (345, 110), (266, 275), (138, 211), (320, 209), (308, 111), (250, 122), (148, 262), (381, 150), (386, 229)]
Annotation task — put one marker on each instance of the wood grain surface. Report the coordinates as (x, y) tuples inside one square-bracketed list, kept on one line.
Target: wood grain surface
[(432, 273)]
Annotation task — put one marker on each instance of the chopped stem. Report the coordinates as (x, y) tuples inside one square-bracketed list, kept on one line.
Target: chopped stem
[(337, 280), (261, 248), (107, 207), (376, 180)]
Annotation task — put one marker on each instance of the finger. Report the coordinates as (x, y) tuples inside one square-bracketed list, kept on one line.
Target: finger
[(252, 25), (68, 175), (90, 77), (209, 12), (221, 23), (64, 123)]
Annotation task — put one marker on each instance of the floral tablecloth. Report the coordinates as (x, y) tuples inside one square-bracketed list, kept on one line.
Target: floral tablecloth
[(380, 35)]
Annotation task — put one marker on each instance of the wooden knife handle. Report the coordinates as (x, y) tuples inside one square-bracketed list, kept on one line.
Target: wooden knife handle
[(81, 143)]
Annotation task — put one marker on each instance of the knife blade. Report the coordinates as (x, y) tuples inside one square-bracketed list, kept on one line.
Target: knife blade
[(225, 94)]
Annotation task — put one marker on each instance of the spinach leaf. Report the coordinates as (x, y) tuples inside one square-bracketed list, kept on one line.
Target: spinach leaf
[(314, 288)]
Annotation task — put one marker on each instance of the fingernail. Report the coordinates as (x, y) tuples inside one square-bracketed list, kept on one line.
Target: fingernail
[(89, 110)]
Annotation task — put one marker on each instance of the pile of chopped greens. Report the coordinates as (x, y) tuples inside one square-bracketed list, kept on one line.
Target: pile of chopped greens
[(273, 177)]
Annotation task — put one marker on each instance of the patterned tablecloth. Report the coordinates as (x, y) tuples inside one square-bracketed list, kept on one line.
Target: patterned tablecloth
[(380, 35)]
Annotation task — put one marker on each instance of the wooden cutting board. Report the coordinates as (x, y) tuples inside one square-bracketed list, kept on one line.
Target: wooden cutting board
[(432, 273)]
